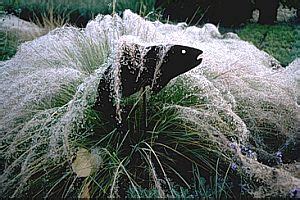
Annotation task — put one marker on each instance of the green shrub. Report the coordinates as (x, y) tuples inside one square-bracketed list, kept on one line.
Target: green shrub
[(8, 45)]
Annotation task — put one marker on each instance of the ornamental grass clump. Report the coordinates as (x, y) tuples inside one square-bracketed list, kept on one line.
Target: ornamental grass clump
[(210, 125)]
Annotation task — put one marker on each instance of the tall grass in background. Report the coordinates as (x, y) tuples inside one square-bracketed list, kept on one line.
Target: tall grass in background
[(78, 12)]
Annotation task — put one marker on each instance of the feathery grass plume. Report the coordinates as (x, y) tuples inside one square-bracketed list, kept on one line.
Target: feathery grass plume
[(211, 120)]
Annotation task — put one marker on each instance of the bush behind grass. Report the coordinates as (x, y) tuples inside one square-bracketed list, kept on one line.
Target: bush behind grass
[(77, 12)]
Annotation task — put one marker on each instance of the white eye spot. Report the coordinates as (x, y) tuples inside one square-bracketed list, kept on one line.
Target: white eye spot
[(183, 51)]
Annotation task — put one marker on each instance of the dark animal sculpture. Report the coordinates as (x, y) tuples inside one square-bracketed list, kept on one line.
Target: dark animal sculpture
[(139, 67)]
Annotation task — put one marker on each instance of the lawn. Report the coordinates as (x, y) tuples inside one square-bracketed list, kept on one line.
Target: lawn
[(281, 40)]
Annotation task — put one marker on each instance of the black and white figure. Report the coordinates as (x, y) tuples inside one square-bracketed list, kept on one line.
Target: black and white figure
[(140, 66)]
